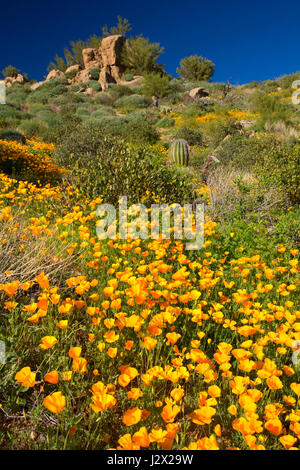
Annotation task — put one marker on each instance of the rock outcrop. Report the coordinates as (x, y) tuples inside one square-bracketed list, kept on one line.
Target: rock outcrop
[(91, 58), (16, 79), (111, 50), (107, 58), (73, 68), (55, 74), (198, 92)]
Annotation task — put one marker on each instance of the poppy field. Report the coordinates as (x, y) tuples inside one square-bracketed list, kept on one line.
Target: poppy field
[(139, 344)]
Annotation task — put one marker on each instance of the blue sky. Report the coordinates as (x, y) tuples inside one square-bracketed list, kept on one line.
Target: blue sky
[(247, 40)]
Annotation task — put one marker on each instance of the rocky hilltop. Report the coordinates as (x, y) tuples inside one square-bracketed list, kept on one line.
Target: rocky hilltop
[(107, 58)]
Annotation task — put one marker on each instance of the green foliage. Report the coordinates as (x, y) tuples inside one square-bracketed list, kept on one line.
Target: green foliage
[(128, 77), (166, 122), (271, 109), (9, 134), (192, 136), (102, 165), (10, 71), (180, 152), (120, 90), (7, 111), (132, 102), (157, 85), (286, 81), (73, 55), (139, 56), (122, 27), (32, 128), (196, 68), (71, 74), (279, 166), (104, 98), (216, 130), (94, 73)]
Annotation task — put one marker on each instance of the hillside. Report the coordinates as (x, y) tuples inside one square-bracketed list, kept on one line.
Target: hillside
[(140, 343)]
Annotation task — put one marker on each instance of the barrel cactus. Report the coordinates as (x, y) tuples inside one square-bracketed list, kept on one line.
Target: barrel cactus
[(180, 152)]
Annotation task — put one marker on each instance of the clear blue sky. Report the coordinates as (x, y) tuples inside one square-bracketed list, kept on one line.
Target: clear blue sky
[(247, 40)]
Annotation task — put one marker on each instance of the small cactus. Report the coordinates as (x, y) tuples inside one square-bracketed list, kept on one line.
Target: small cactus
[(180, 152)]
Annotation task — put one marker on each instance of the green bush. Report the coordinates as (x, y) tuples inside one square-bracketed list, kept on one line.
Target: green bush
[(106, 166), (103, 98), (7, 111), (8, 134), (128, 77), (94, 73), (32, 128), (133, 101), (192, 136), (120, 90), (166, 122), (196, 68), (216, 130), (139, 56), (156, 85), (94, 85), (10, 71), (270, 109), (72, 74), (287, 80), (279, 166)]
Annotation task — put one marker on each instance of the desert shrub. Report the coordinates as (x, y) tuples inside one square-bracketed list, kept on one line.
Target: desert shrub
[(194, 110), (216, 130), (49, 117), (102, 165), (16, 97), (279, 166), (9, 134), (58, 90), (166, 122), (10, 71), (76, 87), (32, 127), (139, 56), (94, 73), (133, 101), (121, 90), (103, 111), (39, 96), (156, 84), (71, 74), (83, 111), (94, 85), (103, 98), (7, 111), (140, 131), (287, 80), (61, 100), (128, 77), (192, 136), (196, 68), (270, 109), (76, 98)]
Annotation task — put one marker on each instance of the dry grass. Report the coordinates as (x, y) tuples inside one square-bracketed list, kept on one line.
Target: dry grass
[(232, 189)]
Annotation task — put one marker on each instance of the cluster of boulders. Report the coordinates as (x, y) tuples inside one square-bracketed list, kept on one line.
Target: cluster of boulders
[(9, 81), (107, 58)]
